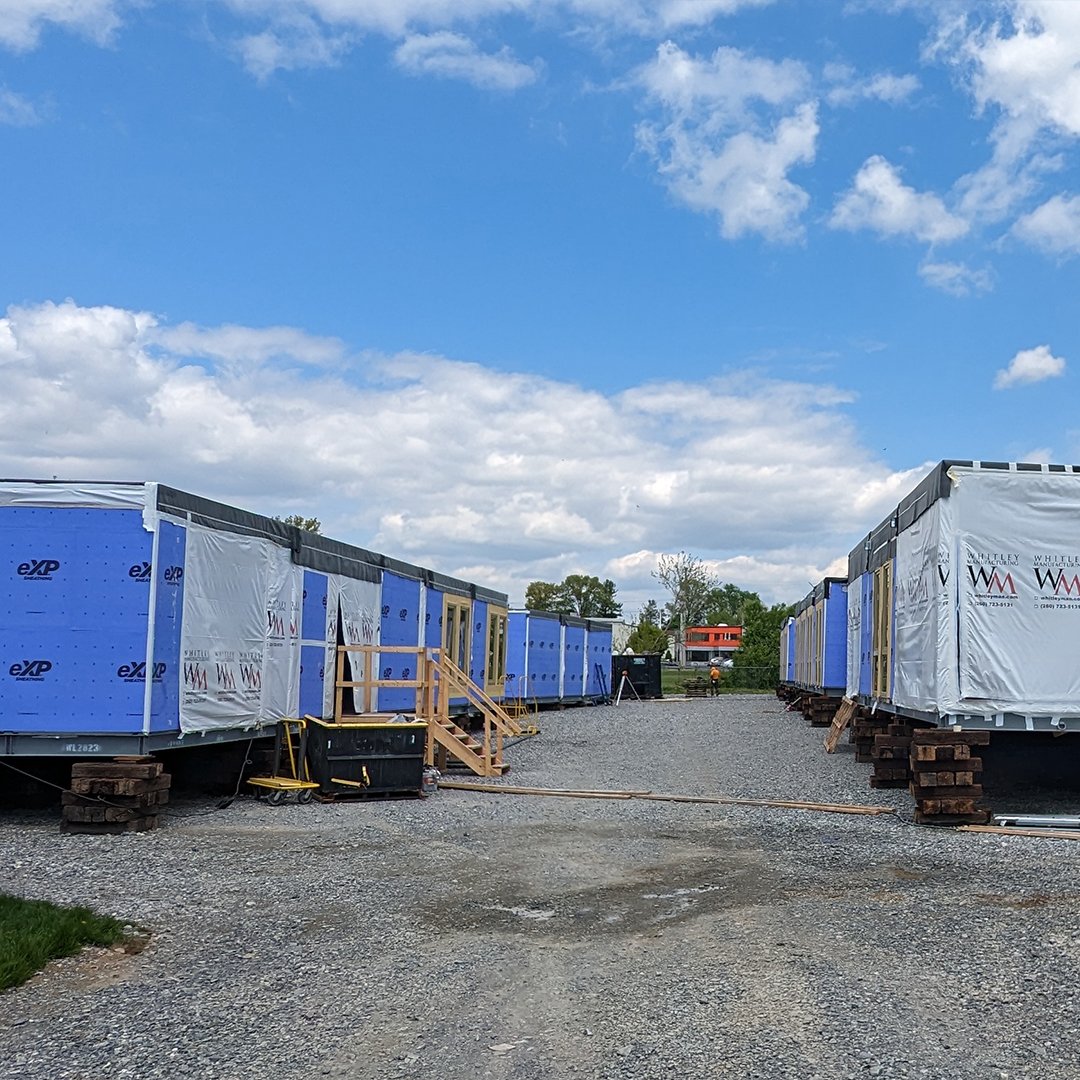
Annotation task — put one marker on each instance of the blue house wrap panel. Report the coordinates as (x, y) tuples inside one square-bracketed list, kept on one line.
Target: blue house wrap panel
[(866, 632), (545, 656), (478, 652), (165, 668), (312, 661), (598, 645), (74, 590), (835, 658), (433, 618), (517, 628), (400, 626), (573, 662), (313, 614)]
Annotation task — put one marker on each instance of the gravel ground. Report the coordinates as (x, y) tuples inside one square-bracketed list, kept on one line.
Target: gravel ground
[(472, 935)]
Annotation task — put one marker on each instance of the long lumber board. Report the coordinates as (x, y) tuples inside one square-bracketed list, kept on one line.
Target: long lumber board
[(720, 800), (1014, 830)]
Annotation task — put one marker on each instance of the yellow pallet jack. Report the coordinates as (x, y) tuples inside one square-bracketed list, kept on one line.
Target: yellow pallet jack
[(275, 789)]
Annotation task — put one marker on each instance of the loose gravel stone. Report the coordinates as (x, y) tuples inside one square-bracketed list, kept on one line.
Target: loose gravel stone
[(474, 935)]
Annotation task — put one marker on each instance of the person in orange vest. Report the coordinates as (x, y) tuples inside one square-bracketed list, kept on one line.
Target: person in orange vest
[(714, 680)]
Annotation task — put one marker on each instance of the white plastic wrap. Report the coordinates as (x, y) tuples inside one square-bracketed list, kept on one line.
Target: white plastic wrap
[(915, 588), (223, 641), (1017, 568)]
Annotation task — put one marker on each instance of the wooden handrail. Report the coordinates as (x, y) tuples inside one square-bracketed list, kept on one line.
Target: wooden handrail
[(437, 680)]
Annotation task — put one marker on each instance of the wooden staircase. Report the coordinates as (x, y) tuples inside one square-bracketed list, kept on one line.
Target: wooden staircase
[(484, 758), (438, 680)]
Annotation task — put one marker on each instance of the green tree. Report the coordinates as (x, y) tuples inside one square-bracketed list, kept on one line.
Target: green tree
[(648, 638), (757, 661), (542, 596), (589, 597), (650, 613), (726, 604), (576, 594), (307, 524)]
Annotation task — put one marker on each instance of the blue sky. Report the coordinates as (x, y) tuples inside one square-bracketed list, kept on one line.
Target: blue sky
[(517, 288)]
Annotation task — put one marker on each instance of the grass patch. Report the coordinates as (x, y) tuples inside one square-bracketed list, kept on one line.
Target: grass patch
[(33, 932), (674, 680)]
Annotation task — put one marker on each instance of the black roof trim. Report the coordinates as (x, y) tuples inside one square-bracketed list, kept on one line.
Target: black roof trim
[(310, 550)]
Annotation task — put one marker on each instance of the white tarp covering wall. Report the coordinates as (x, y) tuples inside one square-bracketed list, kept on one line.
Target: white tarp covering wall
[(916, 588), (854, 633), (1017, 564), (240, 643), (281, 657), (359, 603)]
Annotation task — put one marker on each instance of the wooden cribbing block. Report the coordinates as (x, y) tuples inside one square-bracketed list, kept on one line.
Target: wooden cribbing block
[(947, 735), (143, 824), (940, 751), (88, 785), (979, 817), (116, 770), (148, 801), (957, 791), (124, 795)]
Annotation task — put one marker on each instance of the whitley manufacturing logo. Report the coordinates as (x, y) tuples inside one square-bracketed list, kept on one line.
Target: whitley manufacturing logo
[(1057, 578), (993, 578), (38, 569)]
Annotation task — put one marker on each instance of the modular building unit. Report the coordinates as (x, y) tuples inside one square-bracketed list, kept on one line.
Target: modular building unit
[(968, 600), (138, 617), (552, 658), (787, 652), (820, 639)]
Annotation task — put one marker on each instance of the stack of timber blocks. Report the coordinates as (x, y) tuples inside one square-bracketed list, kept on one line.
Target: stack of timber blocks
[(819, 710), (122, 795), (945, 778), (864, 728), (890, 753)]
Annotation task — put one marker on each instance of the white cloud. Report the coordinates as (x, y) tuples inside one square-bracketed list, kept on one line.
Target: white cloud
[(292, 44), (247, 346), (1030, 366), (847, 89), (1042, 454), (1028, 64), (454, 56), (22, 21), (17, 111), (548, 477), (397, 18), (313, 33), (879, 200), (1020, 60), (955, 278), (722, 144), (720, 86), (1053, 227)]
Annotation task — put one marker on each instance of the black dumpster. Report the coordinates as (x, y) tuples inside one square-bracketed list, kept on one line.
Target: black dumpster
[(642, 671), (366, 759)]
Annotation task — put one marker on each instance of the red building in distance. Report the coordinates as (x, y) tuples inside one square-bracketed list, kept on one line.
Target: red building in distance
[(705, 643)]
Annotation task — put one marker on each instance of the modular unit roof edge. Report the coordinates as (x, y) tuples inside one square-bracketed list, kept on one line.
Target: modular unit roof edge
[(867, 554)]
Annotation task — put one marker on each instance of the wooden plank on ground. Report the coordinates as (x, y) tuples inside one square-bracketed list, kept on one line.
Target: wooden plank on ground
[(1015, 830), (718, 800), (840, 721)]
